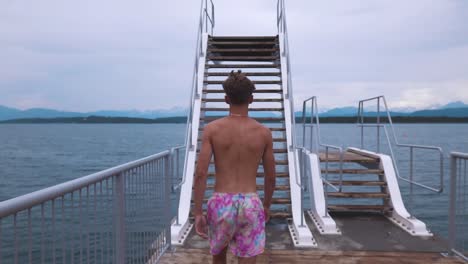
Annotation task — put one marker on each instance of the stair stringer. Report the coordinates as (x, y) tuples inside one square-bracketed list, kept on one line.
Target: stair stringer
[(399, 216), (318, 213), (179, 231), (301, 234)]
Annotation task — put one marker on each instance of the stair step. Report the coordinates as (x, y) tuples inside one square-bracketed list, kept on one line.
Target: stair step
[(210, 109), (262, 74), (243, 38), (274, 140), (273, 215), (254, 82), (273, 201), (255, 91), (277, 162), (243, 50), (261, 174), (280, 215), (260, 187), (272, 129), (260, 119), (242, 58), (354, 171), (354, 207), (240, 44), (347, 157), (222, 100), (216, 51), (359, 183), (241, 66), (357, 195), (282, 150)]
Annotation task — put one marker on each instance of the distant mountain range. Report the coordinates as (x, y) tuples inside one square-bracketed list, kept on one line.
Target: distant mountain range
[(453, 109), (7, 113)]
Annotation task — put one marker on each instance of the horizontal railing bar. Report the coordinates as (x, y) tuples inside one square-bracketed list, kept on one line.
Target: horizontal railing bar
[(29, 200), (459, 155), (369, 125), (420, 147), (371, 99)]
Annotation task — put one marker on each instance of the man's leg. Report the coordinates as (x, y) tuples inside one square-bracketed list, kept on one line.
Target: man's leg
[(221, 257), (251, 260)]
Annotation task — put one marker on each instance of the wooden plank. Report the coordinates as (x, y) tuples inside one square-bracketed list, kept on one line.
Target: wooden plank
[(254, 82), (356, 207), (354, 171), (243, 43), (243, 38), (187, 255), (273, 129), (271, 109), (260, 100), (242, 58), (260, 187), (273, 200), (225, 74), (359, 183), (260, 119), (255, 91), (274, 140), (242, 66), (277, 162), (275, 150), (357, 195), (261, 174), (347, 157)]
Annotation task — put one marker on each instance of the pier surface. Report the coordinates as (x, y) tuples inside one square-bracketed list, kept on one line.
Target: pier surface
[(185, 255), (365, 239)]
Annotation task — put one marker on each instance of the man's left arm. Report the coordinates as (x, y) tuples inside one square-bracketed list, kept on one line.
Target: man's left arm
[(201, 173)]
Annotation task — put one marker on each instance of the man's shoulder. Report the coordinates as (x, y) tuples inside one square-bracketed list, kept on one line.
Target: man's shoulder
[(261, 128), (213, 125)]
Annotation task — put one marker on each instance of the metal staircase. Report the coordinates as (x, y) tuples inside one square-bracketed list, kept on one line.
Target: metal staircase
[(259, 58), (264, 59), (357, 180)]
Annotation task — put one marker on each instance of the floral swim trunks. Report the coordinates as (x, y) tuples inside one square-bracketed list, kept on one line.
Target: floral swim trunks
[(237, 220)]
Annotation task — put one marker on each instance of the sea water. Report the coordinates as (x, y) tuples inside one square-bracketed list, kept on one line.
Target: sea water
[(35, 156)]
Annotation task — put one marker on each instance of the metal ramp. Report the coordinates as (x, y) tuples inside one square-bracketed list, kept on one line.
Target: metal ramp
[(265, 60)]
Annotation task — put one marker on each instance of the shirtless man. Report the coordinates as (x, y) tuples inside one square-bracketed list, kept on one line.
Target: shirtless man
[(235, 214)]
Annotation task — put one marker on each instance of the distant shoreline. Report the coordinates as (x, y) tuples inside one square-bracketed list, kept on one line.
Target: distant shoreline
[(183, 120)]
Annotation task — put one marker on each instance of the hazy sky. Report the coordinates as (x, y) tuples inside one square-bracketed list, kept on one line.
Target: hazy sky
[(109, 54)]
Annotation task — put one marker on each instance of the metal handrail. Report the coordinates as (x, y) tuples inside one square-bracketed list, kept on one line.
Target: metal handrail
[(175, 166), (282, 28), (458, 184), (411, 147), (36, 198), (317, 138)]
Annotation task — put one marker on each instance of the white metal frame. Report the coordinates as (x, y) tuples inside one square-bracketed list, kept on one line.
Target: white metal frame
[(319, 211), (180, 229), (298, 228)]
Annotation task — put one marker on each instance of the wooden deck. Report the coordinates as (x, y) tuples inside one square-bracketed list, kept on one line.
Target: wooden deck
[(185, 255)]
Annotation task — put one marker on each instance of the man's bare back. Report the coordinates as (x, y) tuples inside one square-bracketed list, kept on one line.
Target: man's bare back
[(238, 145)]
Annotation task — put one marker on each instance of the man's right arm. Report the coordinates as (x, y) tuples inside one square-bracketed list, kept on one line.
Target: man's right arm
[(270, 173)]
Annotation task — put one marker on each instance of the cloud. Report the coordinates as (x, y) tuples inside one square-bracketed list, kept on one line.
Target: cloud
[(90, 55)]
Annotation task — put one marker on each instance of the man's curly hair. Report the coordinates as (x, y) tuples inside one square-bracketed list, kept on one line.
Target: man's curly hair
[(238, 88)]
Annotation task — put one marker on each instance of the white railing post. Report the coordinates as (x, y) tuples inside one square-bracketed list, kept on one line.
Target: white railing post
[(452, 209), (167, 199), (120, 237)]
